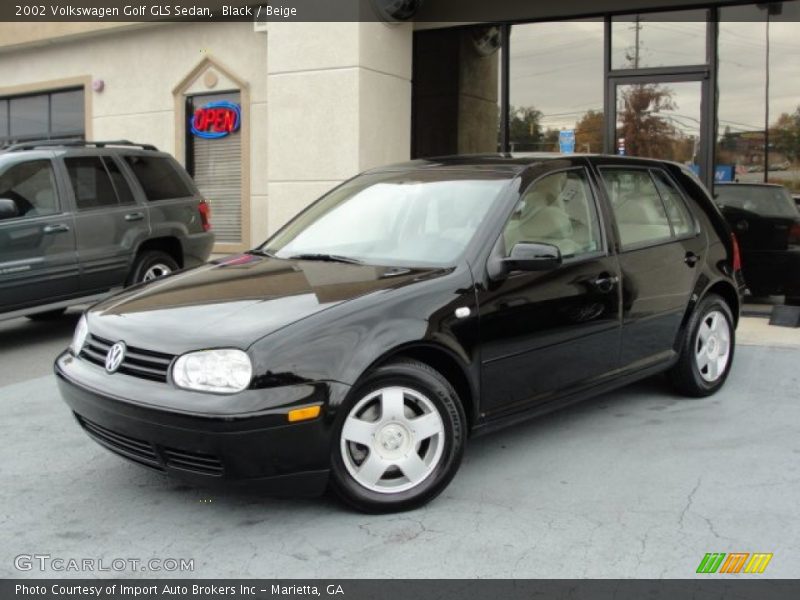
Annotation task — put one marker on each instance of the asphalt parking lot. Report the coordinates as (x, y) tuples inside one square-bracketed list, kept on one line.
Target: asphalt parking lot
[(637, 483)]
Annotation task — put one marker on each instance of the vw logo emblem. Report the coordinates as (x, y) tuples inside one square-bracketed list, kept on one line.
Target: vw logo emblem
[(115, 356)]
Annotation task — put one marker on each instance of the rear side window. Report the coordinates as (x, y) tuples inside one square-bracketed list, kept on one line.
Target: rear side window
[(638, 209), (120, 184), (159, 177), (31, 186), (677, 211), (90, 182)]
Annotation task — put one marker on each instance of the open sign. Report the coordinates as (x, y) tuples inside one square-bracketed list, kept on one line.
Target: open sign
[(216, 119)]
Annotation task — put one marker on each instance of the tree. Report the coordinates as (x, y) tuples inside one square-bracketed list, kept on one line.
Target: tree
[(784, 136), (525, 129), (646, 132), (589, 132)]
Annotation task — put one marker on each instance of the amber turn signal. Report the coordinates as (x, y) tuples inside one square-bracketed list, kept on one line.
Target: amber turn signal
[(304, 414)]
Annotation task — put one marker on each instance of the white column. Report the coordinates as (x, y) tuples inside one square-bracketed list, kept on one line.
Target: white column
[(339, 102)]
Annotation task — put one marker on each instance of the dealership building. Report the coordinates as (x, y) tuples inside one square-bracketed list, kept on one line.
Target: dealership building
[(268, 116)]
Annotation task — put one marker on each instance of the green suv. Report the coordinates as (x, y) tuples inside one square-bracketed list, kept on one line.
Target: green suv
[(79, 219)]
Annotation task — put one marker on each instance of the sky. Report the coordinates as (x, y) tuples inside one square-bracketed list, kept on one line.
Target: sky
[(558, 66)]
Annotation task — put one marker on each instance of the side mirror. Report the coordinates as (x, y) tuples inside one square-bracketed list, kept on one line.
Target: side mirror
[(530, 256), (8, 209)]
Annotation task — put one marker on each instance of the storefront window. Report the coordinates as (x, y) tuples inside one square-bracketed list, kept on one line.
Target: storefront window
[(783, 162), (660, 120), (556, 84), (664, 39), (28, 116), (742, 94), (49, 115), (66, 111), (215, 163)]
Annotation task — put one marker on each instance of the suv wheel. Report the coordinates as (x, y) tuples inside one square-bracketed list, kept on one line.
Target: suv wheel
[(151, 265), (706, 354), (399, 439)]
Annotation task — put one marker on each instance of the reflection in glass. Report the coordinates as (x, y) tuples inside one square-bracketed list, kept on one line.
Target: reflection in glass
[(660, 120), (556, 82), (659, 40), (784, 97), (28, 116), (742, 94), (67, 111), (3, 118)]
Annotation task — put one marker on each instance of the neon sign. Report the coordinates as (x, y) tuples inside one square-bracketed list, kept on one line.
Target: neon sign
[(216, 120)]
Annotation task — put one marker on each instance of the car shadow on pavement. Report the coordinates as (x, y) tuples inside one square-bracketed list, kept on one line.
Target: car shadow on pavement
[(23, 334)]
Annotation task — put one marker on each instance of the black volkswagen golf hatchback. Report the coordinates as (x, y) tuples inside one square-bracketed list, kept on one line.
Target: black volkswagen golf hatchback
[(409, 308)]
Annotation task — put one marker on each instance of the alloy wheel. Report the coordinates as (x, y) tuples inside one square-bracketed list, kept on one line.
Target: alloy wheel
[(155, 271), (713, 346), (392, 440)]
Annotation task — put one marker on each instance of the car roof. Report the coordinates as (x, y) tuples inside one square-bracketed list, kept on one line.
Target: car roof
[(508, 162), (76, 144)]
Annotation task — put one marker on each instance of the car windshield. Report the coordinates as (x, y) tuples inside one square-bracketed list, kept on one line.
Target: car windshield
[(424, 218), (767, 201)]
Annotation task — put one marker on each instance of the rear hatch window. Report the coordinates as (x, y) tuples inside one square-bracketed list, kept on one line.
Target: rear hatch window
[(159, 177), (764, 201)]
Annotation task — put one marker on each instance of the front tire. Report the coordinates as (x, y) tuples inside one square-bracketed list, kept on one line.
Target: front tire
[(398, 440), (706, 354)]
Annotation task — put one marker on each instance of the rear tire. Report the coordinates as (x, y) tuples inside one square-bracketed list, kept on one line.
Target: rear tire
[(50, 315), (151, 265), (398, 440), (706, 353)]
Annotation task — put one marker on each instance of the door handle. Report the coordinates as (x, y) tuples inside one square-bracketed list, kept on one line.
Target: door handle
[(60, 228), (691, 258), (605, 283), (137, 216)]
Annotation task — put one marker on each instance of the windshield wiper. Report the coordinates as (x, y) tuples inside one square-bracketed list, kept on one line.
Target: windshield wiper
[(327, 258), (260, 252)]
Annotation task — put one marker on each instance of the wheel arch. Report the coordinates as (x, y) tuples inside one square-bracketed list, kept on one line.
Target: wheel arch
[(722, 288), (169, 244), (451, 366)]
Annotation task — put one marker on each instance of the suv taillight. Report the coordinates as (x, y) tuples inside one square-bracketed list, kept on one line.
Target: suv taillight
[(737, 255), (205, 215), (794, 234)]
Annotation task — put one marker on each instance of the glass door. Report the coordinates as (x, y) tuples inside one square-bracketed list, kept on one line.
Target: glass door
[(661, 118)]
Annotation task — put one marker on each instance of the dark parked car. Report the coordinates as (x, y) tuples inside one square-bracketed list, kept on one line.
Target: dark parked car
[(78, 219), (409, 308), (766, 222)]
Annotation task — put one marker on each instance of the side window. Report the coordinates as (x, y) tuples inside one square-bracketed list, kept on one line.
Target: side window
[(90, 182), (158, 177), (557, 209), (32, 187), (124, 192), (637, 206), (677, 211)]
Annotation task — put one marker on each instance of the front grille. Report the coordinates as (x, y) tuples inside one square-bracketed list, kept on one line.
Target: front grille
[(150, 455), (137, 450), (138, 362), (193, 461)]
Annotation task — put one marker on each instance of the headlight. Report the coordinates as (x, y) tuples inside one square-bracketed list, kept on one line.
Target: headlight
[(225, 371), (79, 337)]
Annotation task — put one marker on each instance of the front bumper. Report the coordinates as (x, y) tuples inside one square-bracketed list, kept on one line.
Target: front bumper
[(257, 447)]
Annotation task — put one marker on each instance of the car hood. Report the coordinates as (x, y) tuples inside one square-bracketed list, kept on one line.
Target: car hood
[(235, 301)]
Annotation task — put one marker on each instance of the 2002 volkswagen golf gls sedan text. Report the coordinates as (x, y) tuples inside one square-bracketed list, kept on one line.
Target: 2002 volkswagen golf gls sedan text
[(408, 308)]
